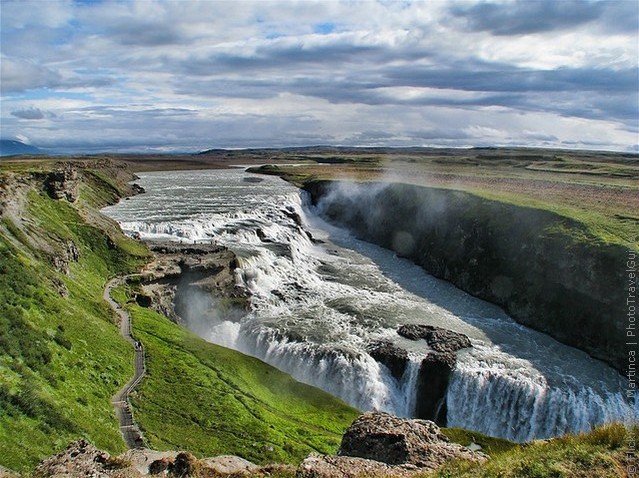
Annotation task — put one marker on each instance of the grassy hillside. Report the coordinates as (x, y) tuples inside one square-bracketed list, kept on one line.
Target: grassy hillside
[(62, 358), (211, 400), (603, 453)]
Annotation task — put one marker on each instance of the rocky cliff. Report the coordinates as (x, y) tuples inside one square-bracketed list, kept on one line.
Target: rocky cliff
[(544, 269)]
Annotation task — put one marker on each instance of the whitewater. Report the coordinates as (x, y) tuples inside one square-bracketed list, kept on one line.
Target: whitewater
[(320, 297)]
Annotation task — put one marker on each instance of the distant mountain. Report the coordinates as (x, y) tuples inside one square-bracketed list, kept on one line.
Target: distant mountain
[(9, 147)]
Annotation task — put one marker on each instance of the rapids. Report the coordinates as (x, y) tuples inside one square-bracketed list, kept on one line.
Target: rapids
[(319, 296)]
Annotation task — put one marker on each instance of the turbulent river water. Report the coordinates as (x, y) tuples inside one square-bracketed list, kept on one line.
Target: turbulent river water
[(317, 304)]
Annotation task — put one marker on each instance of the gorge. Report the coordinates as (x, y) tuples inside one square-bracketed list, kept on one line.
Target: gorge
[(322, 301)]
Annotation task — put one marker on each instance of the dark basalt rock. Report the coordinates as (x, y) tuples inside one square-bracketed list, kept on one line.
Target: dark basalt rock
[(398, 441), (432, 385), (291, 214), (440, 340), (137, 189), (393, 357), (435, 369)]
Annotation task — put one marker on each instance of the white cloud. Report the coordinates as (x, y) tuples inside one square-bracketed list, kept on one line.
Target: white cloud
[(193, 74)]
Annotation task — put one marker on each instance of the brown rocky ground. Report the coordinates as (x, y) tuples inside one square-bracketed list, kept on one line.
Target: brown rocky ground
[(376, 444)]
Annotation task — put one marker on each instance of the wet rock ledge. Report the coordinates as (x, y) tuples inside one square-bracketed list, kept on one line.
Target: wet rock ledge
[(182, 274), (435, 368)]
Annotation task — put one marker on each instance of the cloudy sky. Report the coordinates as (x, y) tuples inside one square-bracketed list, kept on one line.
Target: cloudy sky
[(188, 75)]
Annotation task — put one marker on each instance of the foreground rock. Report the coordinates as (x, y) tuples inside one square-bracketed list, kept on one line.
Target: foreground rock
[(81, 458), (323, 466), (400, 441)]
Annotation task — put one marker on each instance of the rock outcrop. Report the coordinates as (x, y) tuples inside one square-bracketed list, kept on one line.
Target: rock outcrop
[(546, 270), (192, 279), (441, 340), (81, 458), (63, 184), (432, 386), (69, 252), (327, 466), (376, 444), (400, 441), (435, 369), (392, 356), (379, 444)]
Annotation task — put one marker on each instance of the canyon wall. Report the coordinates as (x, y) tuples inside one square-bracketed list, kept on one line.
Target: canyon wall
[(544, 269)]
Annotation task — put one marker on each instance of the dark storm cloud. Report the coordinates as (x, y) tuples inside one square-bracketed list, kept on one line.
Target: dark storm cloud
[(275, 57), (510, 78), (32, 114), (140, 33), (527, 16)]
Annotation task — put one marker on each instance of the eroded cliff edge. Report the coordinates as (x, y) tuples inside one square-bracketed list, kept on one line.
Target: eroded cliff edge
[(544, 269)]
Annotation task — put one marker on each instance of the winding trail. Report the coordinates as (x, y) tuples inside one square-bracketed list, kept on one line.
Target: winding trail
[(129, 429)]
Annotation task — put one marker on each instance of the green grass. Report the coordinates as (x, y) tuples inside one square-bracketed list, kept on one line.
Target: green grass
[(211, 400), (600, 227), (489, 445), (62, 358), (61, 355), (598, 454)]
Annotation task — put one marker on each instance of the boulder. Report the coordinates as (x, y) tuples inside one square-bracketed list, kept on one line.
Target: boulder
[(325, 466), (81, 458), (400, 441), (183, 466), (391, 356), (438, 339)]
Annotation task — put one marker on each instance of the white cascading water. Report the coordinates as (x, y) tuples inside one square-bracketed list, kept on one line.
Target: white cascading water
[(316, 307)]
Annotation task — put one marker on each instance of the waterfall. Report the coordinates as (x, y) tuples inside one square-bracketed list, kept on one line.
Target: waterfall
[(316, 307), (518, 407)]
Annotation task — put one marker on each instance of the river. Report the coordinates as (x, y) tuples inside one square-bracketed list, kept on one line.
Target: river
[(320, 296)]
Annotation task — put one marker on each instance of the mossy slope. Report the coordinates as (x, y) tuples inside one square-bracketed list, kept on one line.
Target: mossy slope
[(62, 358), (211, 400), (608, 451)]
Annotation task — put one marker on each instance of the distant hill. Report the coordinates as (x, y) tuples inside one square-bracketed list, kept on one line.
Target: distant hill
[(9, 147)]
